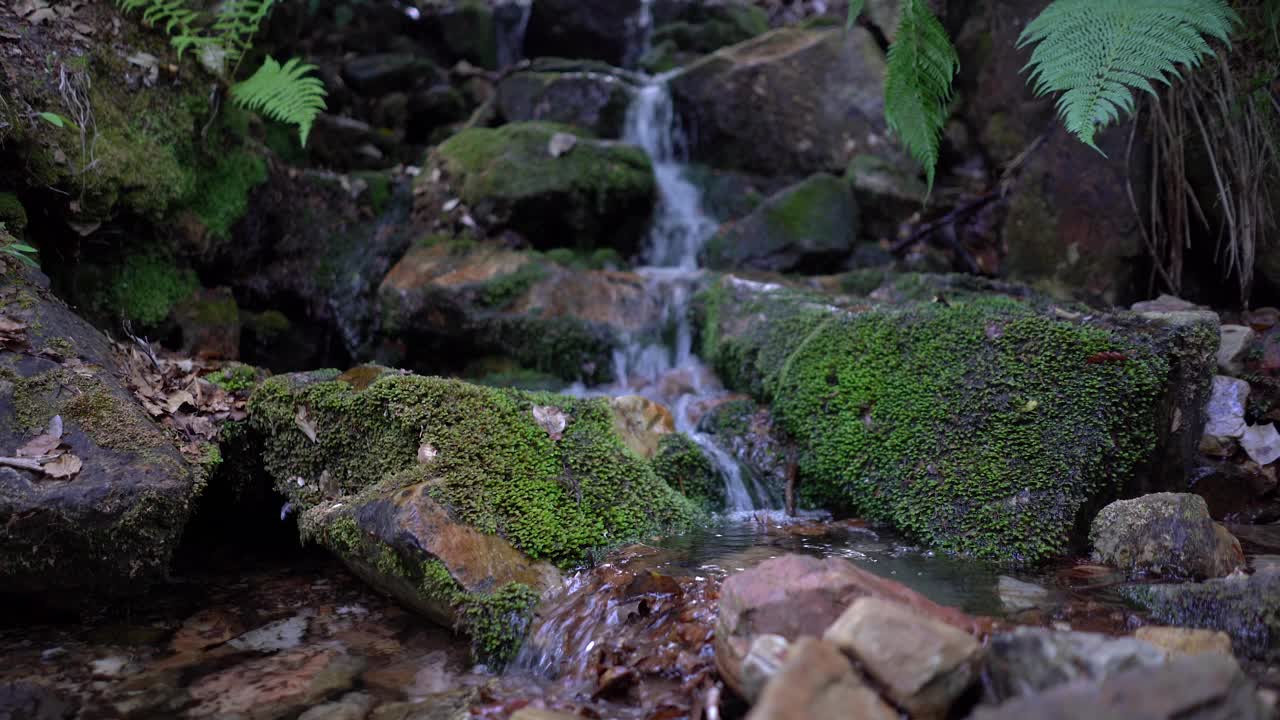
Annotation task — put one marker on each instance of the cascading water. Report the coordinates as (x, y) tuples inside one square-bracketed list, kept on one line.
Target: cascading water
[(511, 20), (679, 230)]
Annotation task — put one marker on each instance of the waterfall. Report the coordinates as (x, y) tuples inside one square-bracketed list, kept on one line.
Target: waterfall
[(511, 20), (677, 234), (639, 34)]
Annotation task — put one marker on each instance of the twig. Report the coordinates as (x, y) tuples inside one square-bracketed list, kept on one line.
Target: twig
[(956, 215), (22, 463)]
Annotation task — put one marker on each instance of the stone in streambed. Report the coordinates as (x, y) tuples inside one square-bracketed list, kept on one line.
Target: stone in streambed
[(923, 664), (1185, 641), (591, 96), (1164, 534), (818, 681), (1226, 408), (1245, 607), (1234, 344), (1029, 660), (796, 595)]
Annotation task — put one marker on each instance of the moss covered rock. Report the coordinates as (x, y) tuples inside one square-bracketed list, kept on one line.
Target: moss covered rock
[(1164, 534), (448, 302), (695, 29), (389, 466), (598, 194), (685, 466), (111, 529), (984, 425), (810, 226)]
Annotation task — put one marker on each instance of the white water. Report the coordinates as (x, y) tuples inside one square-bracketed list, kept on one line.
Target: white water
[(639, 34), (511, 20), (669, 372)]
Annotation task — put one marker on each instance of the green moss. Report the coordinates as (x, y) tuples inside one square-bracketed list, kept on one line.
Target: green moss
[(684, 466), (378, 193), (497, 470), (234, 378), (221, 196), (501, 291), (146, 287), (60, 347), (266, 326), (109, 420), (978, 426), (12, 215)]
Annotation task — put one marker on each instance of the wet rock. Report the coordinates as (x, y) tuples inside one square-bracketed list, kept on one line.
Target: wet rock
[(1028, 661), (275, 686), (1263, 538), (591, 96), (346, 144), (1202, 687), (1246, 607), (1165, 534), (280, 635), (1185, 641), (923, 664), (1235, 342), (797, 595), (685, 31), (467, 30), (508, 181), (808, 227), (110, 527), (903, 379), (1261, 443), (765, 659), (748, 432), (817, 681), (536, 714), (384, 73), (605, 30), (1226, 408), (789, 102), (641, 423), (1236, 493), (885, 194), (352, 706), (440, 301), (1016, 595), (462, 534)]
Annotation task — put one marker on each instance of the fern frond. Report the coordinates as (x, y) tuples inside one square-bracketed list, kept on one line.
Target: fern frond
[(1097, 52), (174, 16), (285, 93), (237, 22), (917, 86)]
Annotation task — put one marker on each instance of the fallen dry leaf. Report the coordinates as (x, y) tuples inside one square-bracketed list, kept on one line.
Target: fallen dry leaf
[(65, 467), (39, 446), (304, 423), (177, 399), (550, 418), (427, 453)]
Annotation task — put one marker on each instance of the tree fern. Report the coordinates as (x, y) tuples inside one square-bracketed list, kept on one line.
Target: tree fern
[(285, 93), (173, 15), (1096, 52), (917, 88), (236, 24)]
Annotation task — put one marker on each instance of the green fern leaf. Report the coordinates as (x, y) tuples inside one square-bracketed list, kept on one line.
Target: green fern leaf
[(237, 22), (285, 93), (1097, 52), (917, 87), (855, 9)]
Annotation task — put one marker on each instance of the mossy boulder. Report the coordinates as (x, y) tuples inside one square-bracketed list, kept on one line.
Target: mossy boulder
[(389, 467), (790, 102), (747, 430), (597, 194), (111, 529), (984, 425), (12, 215), (591, 96), (684, 465), (1165, 534), (695, 29), (808, 227), (449, 301)]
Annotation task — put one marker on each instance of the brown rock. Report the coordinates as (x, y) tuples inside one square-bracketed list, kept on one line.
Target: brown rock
[(798, 595), (276, 686), (923, 664), (817, 681), (539, 714), (1185, 641)]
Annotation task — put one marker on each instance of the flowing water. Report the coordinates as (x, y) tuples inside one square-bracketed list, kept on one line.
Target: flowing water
[(511, 20)]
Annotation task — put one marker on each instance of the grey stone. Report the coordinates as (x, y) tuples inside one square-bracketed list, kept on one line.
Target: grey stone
[(1234, 342), (1165, 534), (1029, 660), (1226, 407), (1262, 443), (818, 681)]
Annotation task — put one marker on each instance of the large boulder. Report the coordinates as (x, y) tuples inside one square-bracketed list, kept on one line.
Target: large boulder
[(582, 194), (104, 518), (980, 423), (798, 595), (592, 96), (454, 497), (1164, 534), (451, 303), (789, 102), (808, 227)]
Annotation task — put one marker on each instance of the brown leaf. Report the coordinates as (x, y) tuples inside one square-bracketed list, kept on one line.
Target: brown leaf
[(39, 446), (304, 423), (9, 325), (178, 399), (64, 467), (551, 418)]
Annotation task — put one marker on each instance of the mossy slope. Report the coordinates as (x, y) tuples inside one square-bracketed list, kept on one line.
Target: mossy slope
[(983, 425)]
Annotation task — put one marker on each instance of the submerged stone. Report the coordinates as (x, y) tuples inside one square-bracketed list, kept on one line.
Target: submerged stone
[(979, 422)]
